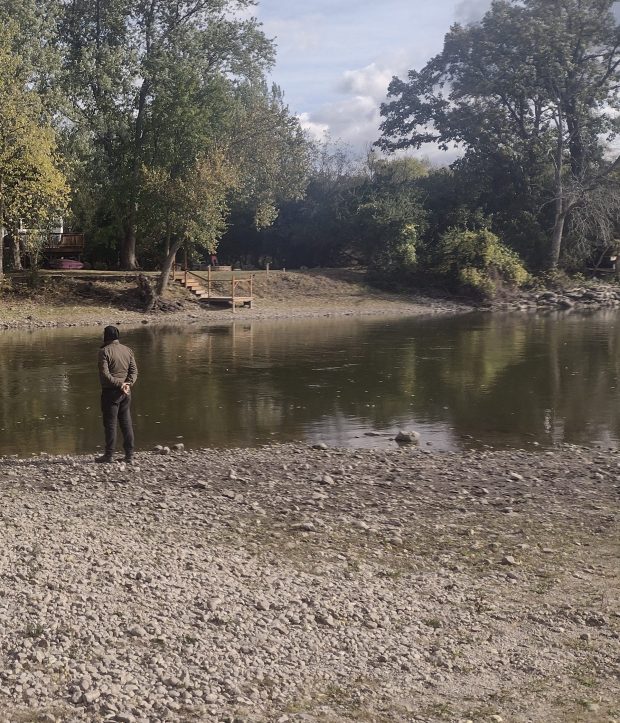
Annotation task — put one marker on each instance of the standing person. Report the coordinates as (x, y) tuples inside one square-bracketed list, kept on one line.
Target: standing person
[(117, 373)]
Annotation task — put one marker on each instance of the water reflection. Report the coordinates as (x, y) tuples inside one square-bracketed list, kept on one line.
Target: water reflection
[(497, 380)]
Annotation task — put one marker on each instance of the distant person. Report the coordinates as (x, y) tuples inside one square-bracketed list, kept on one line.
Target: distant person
[(213, 260), (117, 373)]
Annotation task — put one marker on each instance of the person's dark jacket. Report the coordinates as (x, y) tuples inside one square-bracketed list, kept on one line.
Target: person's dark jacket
[(117, 366)]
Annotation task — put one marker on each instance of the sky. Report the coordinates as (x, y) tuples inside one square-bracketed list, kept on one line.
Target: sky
[(335, 58)]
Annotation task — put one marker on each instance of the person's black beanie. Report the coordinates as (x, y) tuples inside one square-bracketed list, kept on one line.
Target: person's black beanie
[(110, 334)]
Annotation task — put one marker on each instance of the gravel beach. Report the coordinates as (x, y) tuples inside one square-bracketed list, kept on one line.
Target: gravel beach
[(290, 583)]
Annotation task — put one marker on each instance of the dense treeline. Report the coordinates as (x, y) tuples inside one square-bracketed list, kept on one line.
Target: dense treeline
[(150, 126), (146, 121), (528, 101)]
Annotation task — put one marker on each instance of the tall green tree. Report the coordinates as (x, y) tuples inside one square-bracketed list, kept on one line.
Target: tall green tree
[(532, 87), (120, 56), (216, 143), (32, 186)]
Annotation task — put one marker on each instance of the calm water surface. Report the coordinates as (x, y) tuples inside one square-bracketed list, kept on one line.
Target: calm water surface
[(504, 381)]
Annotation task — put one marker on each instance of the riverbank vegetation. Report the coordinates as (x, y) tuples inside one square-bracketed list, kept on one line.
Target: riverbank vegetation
[(152, 128)]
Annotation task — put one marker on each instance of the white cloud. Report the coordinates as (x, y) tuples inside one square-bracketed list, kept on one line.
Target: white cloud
[(317, 131), (354, 117), (371, 81), (336, 60)]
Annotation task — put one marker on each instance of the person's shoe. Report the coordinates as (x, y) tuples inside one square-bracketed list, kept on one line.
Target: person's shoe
[(129, 459), (104, 459)]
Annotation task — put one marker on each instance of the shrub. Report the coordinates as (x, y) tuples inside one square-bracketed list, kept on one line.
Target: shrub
[(477, 262)]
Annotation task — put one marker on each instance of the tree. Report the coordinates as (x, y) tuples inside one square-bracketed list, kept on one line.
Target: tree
[(194, 206), (388, 214), (220, 143), (533, 87), (31, 184), (313, 229), (120, 57)]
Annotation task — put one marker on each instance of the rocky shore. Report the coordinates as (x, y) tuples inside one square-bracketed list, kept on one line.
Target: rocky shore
[(578, 298), (297, 584)]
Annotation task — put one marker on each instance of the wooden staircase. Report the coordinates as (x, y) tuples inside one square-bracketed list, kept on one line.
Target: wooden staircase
[(194, 286), (202, 289)]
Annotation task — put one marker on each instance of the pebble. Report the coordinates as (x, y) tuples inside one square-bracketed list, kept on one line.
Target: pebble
[(242, 583)]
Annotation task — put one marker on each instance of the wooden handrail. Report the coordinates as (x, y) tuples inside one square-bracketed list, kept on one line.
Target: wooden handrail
[(234, 283)]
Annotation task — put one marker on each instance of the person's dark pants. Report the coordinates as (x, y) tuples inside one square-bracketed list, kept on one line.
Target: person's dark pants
[(115, 407)]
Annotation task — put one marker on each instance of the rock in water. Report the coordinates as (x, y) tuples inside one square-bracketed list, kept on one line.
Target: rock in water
[(407, 437)]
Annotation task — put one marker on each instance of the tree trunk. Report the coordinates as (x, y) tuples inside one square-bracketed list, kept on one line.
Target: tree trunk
[(2, 229), (556, 240), (162, 281), (17, 257), (560, 211), (128, 248), (146, 292)]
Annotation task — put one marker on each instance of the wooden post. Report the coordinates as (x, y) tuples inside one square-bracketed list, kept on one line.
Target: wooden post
[(209, 281), (251, 290), (232, 284), (185, 254)]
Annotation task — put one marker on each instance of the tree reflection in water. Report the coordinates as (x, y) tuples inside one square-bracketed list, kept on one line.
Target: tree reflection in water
[(478, 379)]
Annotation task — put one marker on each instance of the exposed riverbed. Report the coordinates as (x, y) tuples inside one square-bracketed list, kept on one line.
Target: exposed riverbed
[(288, 583)]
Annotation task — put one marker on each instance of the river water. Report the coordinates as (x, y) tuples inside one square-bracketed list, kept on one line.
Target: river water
[(468, 381)]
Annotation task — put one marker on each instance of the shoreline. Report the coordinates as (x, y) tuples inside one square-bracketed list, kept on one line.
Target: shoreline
[(294, 583), (282, 295), (134, 319), (310, 294)]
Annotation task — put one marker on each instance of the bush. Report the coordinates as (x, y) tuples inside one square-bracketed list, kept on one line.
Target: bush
[(477, 262)]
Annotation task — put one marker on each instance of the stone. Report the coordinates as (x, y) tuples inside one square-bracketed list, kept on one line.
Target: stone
[(407, 437), (325, 619), (124, 717), (136, 631), (306, 526), (91, 696)]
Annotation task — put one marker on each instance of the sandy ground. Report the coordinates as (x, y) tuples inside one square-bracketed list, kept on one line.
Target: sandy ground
[(298, 294), (311, 584)]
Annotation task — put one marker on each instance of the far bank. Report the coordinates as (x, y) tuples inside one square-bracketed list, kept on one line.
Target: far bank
[(68, 301)]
